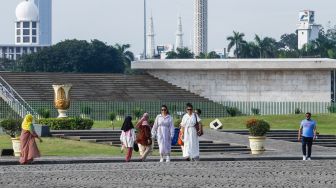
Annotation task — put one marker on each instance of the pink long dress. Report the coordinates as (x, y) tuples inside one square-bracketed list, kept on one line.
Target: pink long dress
[(28, 146)]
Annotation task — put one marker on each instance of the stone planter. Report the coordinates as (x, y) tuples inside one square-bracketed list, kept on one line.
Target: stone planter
[(16, 146), (257, 144)]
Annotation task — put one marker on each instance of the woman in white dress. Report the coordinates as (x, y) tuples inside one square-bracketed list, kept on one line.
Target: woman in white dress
[(190, 137), (163, 130)]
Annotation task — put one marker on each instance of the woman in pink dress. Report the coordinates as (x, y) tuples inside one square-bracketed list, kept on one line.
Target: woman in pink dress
[(28, 146)]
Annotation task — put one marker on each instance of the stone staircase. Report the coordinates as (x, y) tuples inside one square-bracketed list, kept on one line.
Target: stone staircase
[(111, 137), (291, 136)]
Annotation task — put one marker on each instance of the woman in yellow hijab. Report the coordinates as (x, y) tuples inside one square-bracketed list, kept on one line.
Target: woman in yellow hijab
[(29, 149)]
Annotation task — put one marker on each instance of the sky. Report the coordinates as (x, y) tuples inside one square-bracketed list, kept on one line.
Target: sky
[(121, 21)]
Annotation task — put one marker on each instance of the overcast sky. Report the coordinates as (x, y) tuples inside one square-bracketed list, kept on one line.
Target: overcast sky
[(121, 21)]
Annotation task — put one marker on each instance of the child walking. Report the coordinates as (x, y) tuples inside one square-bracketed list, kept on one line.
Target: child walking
[(127, 137)]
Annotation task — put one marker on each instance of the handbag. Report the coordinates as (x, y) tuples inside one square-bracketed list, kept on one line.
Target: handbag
[(135, 147), (198, 127), (175, 138), (180, 138)]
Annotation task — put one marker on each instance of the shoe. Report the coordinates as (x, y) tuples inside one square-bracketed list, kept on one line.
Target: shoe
[(304, 158), (187, 159), (161, 160), (309, 159), (168, 159)]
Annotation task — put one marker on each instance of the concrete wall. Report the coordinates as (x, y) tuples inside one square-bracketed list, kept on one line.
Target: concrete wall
[(275, 80), (256, 85)]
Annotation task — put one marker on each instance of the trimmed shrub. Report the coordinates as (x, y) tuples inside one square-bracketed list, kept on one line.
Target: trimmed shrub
[(44, 112), (297, 111), (12, 127), (177, 122), (67, 123), (111, 116), (257, 127), (233, 111), (137, 112), (332, 108), (255, 111)]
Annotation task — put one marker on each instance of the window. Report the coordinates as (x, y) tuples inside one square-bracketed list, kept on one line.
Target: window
[(18, 24), (24, 49), (26, 32), (26, 24), (34, 39), (33, 24), (18, 32), (18, 50), (32, 49), (34, 31), (11, 50), (18, 39), (26, 39)]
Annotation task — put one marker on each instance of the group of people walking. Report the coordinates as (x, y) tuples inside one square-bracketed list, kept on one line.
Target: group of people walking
[(163, 131)]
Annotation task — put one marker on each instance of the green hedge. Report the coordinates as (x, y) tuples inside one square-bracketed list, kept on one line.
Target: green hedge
[(67, 123)]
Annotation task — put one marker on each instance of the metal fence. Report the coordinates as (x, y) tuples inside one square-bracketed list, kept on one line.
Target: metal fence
[(99, 110)]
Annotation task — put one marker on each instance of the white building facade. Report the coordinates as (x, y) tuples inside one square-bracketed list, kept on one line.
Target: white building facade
[(307, 30), (27, 32), (200, 26), (45, 21), (179, 34)]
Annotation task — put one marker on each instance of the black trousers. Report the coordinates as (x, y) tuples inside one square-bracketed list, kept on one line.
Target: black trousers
[(307, 142)]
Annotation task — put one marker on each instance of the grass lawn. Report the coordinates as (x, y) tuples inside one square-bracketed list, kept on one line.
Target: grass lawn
[(326, 122)]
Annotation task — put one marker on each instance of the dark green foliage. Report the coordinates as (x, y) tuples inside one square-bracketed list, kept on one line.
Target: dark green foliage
[(112, 116), (255, 111), (75, 56), (67, 123), (210, 55), (233, 111), (151, 121), (85, 110), (177, 122), (332, 108), (297, 111), (257, 127), (137, 112), (12, 127), (44, 112), (181, 53)]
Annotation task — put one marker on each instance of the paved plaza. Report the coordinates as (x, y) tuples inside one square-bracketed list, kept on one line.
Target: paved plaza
[(319, 173)]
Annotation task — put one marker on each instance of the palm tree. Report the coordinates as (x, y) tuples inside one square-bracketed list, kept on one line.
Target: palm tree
[(266, 46), (236, 40), (127, 55)]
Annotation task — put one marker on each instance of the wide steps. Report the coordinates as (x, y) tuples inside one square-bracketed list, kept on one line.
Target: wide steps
[(112, 138), (291, 136)]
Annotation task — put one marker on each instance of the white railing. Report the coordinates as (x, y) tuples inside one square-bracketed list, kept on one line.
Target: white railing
[(14, 100)]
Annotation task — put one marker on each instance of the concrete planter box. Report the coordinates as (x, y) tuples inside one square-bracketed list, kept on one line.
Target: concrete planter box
[(42, 130)]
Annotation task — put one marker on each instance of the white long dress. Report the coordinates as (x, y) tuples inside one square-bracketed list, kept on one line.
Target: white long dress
[(190, 138), (163, 130)]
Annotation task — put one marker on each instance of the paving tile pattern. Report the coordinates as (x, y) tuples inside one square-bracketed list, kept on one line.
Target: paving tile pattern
[(180, 174)]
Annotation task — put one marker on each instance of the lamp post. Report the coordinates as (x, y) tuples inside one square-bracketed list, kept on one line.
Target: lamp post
[(144, 52)]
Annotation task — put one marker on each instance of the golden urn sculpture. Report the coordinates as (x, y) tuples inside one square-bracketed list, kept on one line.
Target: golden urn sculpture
[(62, 99)]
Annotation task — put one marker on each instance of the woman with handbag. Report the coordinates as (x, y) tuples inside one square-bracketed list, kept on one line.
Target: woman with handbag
[(190, 123), (164, 130), (144, 139), (127, 137)]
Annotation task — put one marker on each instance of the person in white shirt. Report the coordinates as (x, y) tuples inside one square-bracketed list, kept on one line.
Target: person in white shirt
[(190, 137), (163, 130), (127, 137)]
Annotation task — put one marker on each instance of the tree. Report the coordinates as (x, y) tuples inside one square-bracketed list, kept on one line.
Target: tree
[(236, 41), (289, 41), (267, 46), (181, 53), (75, 56), (210, 55), (7, 64), (127, 56)]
